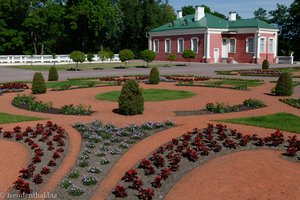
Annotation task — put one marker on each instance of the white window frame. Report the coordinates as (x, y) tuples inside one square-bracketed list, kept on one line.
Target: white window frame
[(230, 45), (265, 42), (271, 50), (178, 45), (168, 39), (192, 44), (154, 46), (247, 47)]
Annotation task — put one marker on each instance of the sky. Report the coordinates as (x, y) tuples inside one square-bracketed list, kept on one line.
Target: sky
[(244, 8)]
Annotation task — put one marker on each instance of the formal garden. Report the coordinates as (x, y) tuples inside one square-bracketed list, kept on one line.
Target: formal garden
[(145, 136)]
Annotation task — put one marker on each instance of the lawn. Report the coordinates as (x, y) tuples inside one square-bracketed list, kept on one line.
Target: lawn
[(87, 66), (281, 121), (8, 118), (73, 83), (150, 95), (250, 83)]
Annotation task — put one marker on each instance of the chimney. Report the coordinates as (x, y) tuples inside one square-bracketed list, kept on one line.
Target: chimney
[(179, 14), (199, 14), (232, 16)]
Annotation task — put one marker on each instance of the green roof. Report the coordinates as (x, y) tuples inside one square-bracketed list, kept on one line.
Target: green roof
[(211, 21)]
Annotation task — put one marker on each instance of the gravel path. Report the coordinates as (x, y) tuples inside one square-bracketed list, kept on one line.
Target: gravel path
[(154, 111)]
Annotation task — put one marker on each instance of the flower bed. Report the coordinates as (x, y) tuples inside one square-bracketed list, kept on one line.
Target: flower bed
[(27, 102), (154, 176), (13, 87), (47, 144), (102, 145), (212, 108), (292, 102)]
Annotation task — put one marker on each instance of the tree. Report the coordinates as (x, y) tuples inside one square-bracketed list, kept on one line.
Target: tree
[(77, 56), (188, 10), (172, 58), (111, 55), (154, 76), (284, 86), (131, 101), (188, 54), (38, 84), (126, 55), (90, 57), (261, 14), (103, 55), (148, 56), (295, 24)]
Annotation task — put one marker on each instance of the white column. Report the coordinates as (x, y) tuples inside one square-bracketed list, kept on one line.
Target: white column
[(150, 43), (276, 45), (207, 45), (258, 45)]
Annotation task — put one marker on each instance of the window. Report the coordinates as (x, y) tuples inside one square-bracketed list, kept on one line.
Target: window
[(167, 46), (232, 42), (194, 44), (249, 45), (180, 48), (262, 43), (271, 45), (156, 46)]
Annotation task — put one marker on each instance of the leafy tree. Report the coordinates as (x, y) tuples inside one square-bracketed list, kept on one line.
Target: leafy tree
[(103, 55), (295, 23), (90, 57), (131, 101), (111, 55), (126, 55), (261, 14), (77, 56), (172, 58), (188, 54), (148, 56), (188, 10)]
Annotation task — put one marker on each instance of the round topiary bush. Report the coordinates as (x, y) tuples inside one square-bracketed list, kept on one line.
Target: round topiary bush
[(284, 86), (53, 75), (265, 64), (154, 77), (38, 84), (131, 100)]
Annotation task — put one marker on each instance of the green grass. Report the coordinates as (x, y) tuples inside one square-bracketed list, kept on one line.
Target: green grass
[(86, 66), (150, 95), (8, 118), (72, 83), (281, 121), (250, 83)]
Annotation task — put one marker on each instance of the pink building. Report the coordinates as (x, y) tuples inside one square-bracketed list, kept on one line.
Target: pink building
[(215, 39)]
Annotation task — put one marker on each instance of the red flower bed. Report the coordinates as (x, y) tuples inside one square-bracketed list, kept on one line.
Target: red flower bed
[(192, 147), (36, 138), (260, 72), (11, 86)]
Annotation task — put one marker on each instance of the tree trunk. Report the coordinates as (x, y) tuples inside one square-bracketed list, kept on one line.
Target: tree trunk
[(42, 49)]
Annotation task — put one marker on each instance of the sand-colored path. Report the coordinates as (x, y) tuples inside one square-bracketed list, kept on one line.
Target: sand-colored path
[(154, 111), (258, 174), (13, 156)]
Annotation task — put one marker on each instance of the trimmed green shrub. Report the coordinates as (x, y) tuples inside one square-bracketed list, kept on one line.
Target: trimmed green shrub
[(38, 84), (52, 75), (148, 56), (284, 86), (171, 58), (154, 77), (254, 103), (131, 100), (126, 55), (188, 54), (265, 64)]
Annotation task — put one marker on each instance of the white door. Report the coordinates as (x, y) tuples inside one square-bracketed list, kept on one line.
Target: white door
[(216, 55), (224, 48)]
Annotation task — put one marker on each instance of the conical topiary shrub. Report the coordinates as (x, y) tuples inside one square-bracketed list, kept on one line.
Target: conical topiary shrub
[(154, 77), (38, 84), (53, 75), (284, 86), (265, 64), (131, 100)]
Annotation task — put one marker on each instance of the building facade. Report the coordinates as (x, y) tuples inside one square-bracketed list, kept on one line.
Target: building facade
[(214, 39)]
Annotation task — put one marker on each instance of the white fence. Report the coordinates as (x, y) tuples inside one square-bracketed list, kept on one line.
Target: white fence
[(46, 59), (285, 59)]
